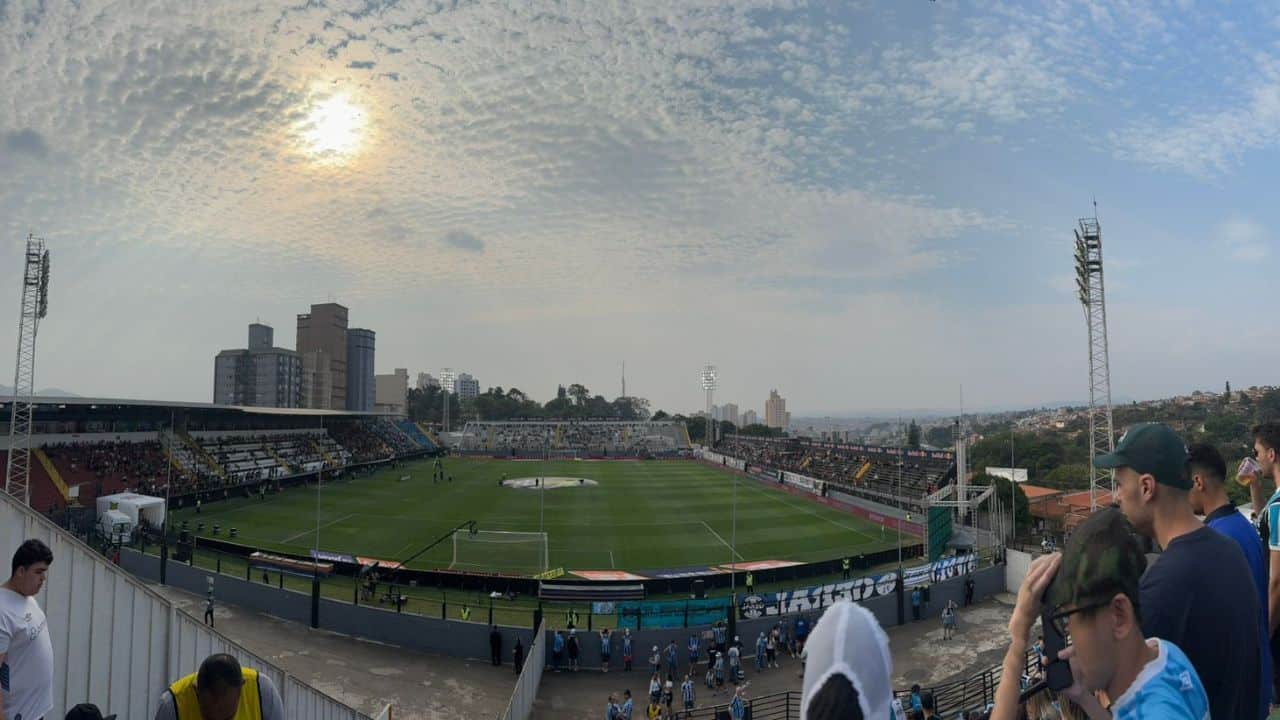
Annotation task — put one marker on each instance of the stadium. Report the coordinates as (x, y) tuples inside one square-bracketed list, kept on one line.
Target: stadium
[(937, 512), (522, 524)]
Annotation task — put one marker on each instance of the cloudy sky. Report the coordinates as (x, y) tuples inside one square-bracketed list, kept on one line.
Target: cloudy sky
[(863, 204)]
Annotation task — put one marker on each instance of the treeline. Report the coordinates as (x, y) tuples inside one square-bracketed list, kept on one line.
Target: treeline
[(574, 401), (1060, 458)]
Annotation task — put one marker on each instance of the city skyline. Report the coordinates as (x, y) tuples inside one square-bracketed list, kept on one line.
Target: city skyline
[(867, 205)]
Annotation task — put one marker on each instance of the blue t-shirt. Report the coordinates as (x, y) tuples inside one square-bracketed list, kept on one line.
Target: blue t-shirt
[(1166, 688), (1199, 595), (1228, 521)]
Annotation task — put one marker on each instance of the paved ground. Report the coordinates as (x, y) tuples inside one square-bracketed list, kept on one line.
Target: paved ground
[(363, 674), (920, 655), (369, 675)]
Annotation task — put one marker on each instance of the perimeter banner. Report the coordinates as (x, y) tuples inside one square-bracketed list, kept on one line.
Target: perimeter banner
[(863, 588)]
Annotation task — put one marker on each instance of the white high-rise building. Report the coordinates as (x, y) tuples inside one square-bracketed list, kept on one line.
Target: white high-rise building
[(466, 387)]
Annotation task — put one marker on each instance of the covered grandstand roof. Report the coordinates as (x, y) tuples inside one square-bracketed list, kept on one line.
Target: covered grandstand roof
[(73, 401)]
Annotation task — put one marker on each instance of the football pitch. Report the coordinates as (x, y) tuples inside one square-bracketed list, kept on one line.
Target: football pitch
[(627, 515)]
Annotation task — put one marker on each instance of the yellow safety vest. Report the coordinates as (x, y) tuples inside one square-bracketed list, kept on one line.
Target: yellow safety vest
[(466, 613), (188, 707), (751, 579)]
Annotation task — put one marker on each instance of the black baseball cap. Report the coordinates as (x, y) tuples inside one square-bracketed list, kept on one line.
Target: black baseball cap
[(87, 711), (1151, 449)]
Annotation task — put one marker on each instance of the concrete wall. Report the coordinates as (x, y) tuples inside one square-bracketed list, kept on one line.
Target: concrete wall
[(84, 438), (987, 582), (415, 632), (471, 640)]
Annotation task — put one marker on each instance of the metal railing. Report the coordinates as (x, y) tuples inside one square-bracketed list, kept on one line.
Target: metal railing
[(520, 706), (968, 693), (775, 706)]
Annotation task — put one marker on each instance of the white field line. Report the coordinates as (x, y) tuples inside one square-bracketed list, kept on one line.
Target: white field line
[(800, 506), (311, 531), (713, 532)]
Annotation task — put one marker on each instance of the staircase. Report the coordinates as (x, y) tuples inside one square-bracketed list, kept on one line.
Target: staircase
[(199, 452), (862, 472), (54, 475), (271, 451), (328, 459), (430, 435)]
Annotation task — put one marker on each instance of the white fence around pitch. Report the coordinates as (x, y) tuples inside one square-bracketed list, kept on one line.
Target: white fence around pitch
[(117, 643), (520, 707)]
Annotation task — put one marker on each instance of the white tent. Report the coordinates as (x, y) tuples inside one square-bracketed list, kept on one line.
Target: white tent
[(136, 507)]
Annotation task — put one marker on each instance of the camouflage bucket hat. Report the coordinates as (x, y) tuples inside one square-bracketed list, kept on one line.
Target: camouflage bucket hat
[(1102, 558)]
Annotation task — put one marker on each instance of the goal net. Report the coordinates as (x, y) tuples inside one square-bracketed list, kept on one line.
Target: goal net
[(499, 551)]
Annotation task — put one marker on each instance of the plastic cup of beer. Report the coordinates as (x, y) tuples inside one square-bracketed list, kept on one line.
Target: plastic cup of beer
[(1248, 471)]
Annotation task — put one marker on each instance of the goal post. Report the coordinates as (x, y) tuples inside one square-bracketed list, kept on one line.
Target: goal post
[(500, 551)]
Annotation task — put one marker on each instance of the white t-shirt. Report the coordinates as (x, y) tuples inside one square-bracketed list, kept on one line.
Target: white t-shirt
[(26, 678)]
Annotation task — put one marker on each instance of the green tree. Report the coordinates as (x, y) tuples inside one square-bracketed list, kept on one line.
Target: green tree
[(1006, 490), (913, 435), (660, 415), (1072, 476), (938, 436), (1268, 406), (580, 394), (1224, 429), (759, 430)]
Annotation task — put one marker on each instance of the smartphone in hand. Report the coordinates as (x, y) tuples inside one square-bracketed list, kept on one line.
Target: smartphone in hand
[(1057, 672)]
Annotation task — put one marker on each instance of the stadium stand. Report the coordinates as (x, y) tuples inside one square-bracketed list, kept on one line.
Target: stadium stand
[(414, 433), (86, 448), (589, 437), (865, 470)]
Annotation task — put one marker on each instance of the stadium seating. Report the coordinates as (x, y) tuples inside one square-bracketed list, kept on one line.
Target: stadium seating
[(414, 433), (604, 437), (207, 459), (872, 470)]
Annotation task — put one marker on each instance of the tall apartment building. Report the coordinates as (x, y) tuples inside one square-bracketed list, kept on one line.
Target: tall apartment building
[(775, 411), (260, 375), (392, 392), (750, 418), (322, 337), (426, 380), (466, 387), (729, 413), (360, 385), (317, 381)]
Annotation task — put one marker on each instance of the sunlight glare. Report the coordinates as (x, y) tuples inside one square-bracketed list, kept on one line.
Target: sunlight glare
[(333, 129)]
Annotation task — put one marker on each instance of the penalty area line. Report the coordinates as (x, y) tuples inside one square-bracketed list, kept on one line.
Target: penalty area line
[(713, 532)]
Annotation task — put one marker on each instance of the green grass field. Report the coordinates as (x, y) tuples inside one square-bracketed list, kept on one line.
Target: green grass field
[(640, 516)]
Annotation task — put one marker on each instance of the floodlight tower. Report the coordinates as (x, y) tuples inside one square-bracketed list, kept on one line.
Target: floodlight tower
[(1089, 286), (447, 378), (35, 305), (709, 385)]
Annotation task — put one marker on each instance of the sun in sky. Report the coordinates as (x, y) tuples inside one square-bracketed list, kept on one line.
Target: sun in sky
[(333, 128)]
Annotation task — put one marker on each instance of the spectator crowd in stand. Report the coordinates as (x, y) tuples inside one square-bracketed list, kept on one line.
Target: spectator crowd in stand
[(614, 437), (856, 469)]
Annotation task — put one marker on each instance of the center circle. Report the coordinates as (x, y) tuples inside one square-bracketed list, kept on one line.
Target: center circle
[(550, 483)]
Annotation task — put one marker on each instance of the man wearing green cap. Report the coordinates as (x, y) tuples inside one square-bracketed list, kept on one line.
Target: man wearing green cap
[(1094, 597), (1199, 594)]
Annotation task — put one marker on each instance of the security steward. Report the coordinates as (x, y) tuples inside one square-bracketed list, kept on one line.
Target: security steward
[(221, 690)]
